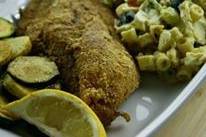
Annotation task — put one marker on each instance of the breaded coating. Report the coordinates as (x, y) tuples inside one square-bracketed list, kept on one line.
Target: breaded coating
[(79, 36)]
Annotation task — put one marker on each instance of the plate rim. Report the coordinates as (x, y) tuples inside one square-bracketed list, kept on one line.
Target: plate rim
[(187, 92)]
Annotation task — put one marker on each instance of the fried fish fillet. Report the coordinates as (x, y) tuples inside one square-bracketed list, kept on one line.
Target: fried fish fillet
[(79, 36)]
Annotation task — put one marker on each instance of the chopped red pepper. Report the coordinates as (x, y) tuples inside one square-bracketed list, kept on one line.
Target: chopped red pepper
[(133, 3)]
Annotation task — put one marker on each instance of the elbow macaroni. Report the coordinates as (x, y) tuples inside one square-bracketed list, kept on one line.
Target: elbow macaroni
[(145, 40), (176, 34), (155, 31), (185, 45), (173, 56), (162, 61), (146, 62), (194, 59), (170, 16), (165, 41), (124, 8), (168, 39), (201, 3), (196, 12), (184, 73), (129, 36)]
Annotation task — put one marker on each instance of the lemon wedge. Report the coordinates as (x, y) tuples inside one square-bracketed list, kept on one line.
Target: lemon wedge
[(3, 115), (58, 114)]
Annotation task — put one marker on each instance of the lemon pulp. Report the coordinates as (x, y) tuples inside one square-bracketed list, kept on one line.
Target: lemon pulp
[(58, 114)]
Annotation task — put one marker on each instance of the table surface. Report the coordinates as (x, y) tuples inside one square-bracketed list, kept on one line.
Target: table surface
[(189, 120)]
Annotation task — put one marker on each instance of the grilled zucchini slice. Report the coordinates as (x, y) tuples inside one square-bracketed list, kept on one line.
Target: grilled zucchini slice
[(6, 28), (3, 101), (5, 53), (19, 46), (15, 88), (33, 69)]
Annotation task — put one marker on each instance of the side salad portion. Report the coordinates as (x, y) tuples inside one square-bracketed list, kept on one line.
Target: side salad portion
[(167, 37)]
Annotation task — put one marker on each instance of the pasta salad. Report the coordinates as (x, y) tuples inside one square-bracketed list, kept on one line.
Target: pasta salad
[(167, 37)]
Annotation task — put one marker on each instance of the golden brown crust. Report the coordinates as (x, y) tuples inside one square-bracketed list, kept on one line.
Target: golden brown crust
[(78, 36)]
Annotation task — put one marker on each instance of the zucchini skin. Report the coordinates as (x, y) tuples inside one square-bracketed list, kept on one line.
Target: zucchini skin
[(10, 28), (2, 71), (14, 88), (3, 99), (37, 86)]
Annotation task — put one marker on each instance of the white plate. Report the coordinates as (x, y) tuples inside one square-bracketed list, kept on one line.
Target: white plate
[(151, 105)]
